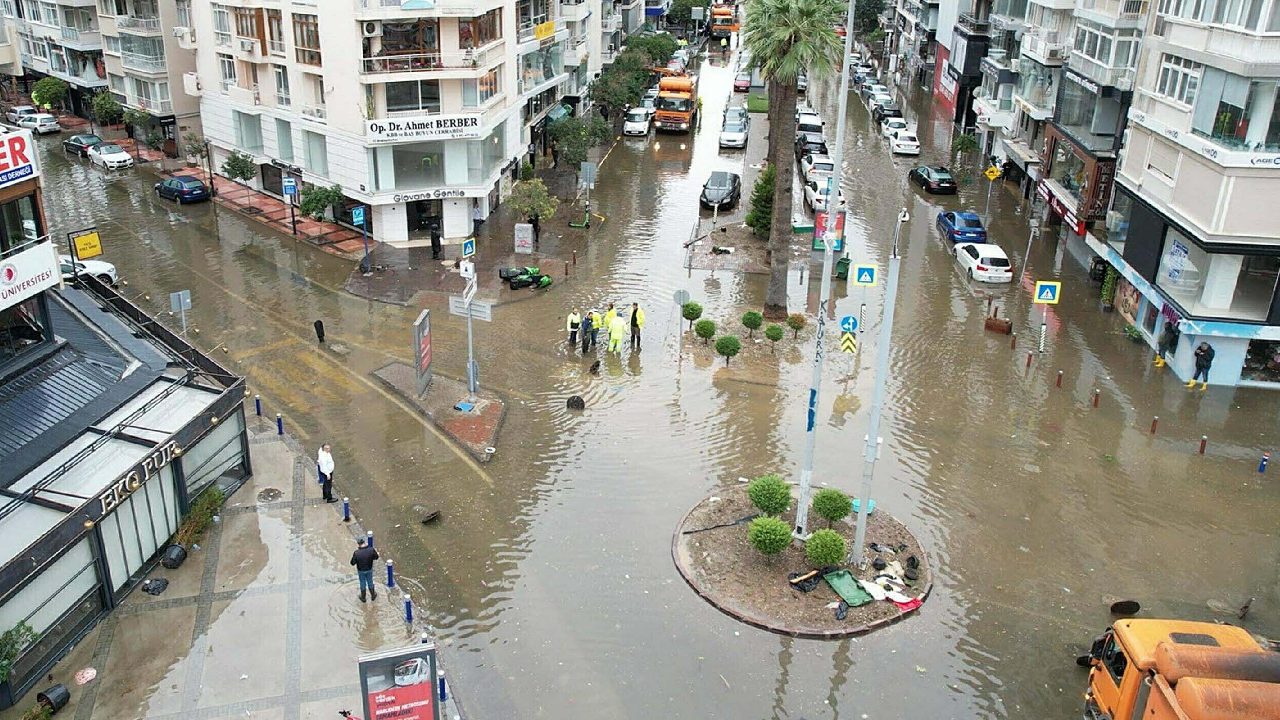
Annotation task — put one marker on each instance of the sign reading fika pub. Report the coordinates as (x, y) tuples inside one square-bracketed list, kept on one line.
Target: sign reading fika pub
[(434, 127), (127, 485)]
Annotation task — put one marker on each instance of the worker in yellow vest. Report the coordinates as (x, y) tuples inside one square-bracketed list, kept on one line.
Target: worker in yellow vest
[(571, 324)]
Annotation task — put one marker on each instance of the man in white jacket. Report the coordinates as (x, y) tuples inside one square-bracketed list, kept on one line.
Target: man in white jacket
[(324, 463)]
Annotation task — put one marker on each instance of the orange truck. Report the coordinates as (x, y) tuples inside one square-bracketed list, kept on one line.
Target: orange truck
[(1180, 670), (724, 21), (676, 109)]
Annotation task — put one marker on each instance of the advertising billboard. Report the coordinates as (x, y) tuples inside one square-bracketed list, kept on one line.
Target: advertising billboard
[(422, 350), (400, 684)]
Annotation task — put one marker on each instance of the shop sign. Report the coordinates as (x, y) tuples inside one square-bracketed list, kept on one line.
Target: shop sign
[(435, 127), (17, 158), (1061, 208), (400, 684), (436, 194), (1104, 178), (1177, 260), (1127, 299), (127, 485), (28, 273), (542, 31)]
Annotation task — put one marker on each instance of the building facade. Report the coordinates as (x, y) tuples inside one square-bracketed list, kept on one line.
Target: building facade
[(62, 40), (1043, 51)]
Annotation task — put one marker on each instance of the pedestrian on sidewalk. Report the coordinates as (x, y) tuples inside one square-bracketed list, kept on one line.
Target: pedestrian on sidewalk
[(617, 331), (588, 327), (436, 244), (571, 324), (555, 154), (1204, 360), (636, 320), (324, 463), (536, 222), (363, 559), (477, 217), (1168, 341)]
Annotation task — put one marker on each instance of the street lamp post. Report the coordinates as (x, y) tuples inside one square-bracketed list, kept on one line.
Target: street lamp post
[(824, 298)]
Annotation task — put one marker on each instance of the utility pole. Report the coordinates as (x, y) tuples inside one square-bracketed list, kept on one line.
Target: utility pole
[(473, 379), (824, 296), (877, 398)]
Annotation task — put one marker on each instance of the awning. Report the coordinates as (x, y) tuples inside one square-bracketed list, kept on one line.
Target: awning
[(1021, 153), (559, 112)]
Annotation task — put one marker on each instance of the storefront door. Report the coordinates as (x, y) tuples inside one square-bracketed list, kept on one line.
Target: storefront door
[(422, 213)]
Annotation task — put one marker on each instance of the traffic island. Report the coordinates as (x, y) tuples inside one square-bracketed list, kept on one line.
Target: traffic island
[(475, 429), (712, 553)]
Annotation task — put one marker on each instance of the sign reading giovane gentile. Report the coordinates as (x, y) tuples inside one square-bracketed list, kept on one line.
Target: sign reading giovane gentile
[(435, 127), (122, 488)]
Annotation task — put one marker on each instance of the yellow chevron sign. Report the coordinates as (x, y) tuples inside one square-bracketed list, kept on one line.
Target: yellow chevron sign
[(848, 342)]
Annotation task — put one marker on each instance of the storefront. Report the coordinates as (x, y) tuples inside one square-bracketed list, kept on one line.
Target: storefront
[(1077, 183)]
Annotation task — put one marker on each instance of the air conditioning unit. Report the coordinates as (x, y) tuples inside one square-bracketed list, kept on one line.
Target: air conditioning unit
[(1056, 52), (247, 45), (179, 32), (371, 28)]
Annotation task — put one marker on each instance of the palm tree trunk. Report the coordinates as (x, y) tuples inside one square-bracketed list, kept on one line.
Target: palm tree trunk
[(783, 108)]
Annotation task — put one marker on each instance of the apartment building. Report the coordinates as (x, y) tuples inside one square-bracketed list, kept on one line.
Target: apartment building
[(1192, 225), (1042, 51), (421, 111), (964, 33), (916, 39), (63, 40), (993, 99)]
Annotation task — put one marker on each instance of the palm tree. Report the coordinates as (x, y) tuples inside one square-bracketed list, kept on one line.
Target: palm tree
[(787, 38)]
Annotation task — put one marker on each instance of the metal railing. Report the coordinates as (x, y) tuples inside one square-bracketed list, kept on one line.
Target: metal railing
[(423, 62), (315, 112), (157, 106), (143, 24), (146, 63), (275, 47), (973, 24)]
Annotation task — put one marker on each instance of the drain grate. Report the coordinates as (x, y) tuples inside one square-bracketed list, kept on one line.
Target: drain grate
[(267, 495)]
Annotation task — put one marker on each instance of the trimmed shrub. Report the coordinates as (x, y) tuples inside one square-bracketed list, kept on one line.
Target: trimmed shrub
[(832, 505), (752, 320), (728, 346), (769, 535), (796, 322), (773, 333), (770, 494), (691, 312), (705, 329), (825, 547)]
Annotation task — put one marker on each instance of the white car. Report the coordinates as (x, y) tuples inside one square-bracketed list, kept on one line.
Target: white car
[(878, 99), (816, 167), (637, 122), (113, 157), (904, 143), (815, 195), (104, 271), (984, 262), (809, 122), (892, 126), (734, 132), (41, 123), (17, 112), (871, 89)]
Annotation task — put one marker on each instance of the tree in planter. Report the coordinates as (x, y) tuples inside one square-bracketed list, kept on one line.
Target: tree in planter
[(796, 322), (194, 147), (761, 214), (240, 168), (106, 108), (575, 136), (48, 92), (531, 197), (773, 333), (134, 120), (705, 329), (691, 312), (832, 505), (770, 494), (962, 145), (769, 535), (1109, 283), (12, 642), (526, 171), (199, 517), (752, 320), (728, 346), (315, 201), (825, 547), (154, 138)]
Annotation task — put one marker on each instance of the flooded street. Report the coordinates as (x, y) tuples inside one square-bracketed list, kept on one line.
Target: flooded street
[(550, 579)]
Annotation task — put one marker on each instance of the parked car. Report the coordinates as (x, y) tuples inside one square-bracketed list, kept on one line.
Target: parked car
[(877, 100), (675, 66), (738, 114), (104, 271), (40, 123), (809, 123), (802, 83), (962, 227), (110, 156), (722, 190), (804, 108), (649, 105), (733, 134), (636, 122), (936, 179), (904, 143), (682, 55), (815, 195), (814, 166), (984, 262), (183, 188), (887, 110), (80, 144), (807, 143), (892, 125), (872, 88), (742, 82), (17, 112)]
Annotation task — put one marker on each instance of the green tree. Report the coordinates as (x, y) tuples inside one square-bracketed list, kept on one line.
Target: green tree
[(866, 15), (526, 171), (315, 200), (12, 643), (705, 329), (752, 320), (531, 197), (965, 144), (194, 146), (825, 547), (796, 322), (769, 535), (239, 167), (787, 38), (773, 333), (770, 494), (691, 312), (832, 505), (106, 108), (658, 48), (761, 214), (575, 136), (728, 346), (48, 92), (681, 11)]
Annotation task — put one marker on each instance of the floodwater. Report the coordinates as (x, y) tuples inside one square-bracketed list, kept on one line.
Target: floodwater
[(550, 578)]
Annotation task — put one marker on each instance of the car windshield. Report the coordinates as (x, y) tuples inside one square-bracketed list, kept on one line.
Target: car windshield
[(192, 184), (969, 223), (637, 116), (674, 104), (43, 118), (108, 149), (90, 139), (720, 181), (823, 167), (995, 262), (940, 174), (735, 114), (743, 77), (906, 138), (895, 123), (734, 127)]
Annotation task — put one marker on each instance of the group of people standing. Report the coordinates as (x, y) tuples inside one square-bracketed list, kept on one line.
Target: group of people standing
[(615, 324)]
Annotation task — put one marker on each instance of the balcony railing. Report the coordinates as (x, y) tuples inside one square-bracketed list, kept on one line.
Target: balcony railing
[(611, 23), (153, 106), (973, 25), (1127, 9), (145, 63), (275, 47), (1044, 44), (424, 62), (1120, 78), (139, 24), (529, 29), (314, 112)]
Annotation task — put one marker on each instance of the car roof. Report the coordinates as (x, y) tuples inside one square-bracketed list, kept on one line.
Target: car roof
[(721, 175), (813, 115), (811, 138), (15, 108), (187, 178), (44, 115), (100, 146), (891, 118), (989, 249), (968, 216), (906, 136), (819, 157)]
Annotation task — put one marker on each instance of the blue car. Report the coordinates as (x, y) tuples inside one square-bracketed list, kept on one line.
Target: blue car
[(962, 227), (183, 188)]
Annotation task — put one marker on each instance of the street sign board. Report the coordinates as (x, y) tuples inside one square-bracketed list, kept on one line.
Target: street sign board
[(848, 343), (357, 215), (696, 13), (1047, 293), (87, 244), (422, 349), (400, 683), (468, 247), (820, 230), (524, 238), (480, 309), (849, 323), (290, 186), (587, 173), (467, 269), (681, 297), (180, 300), (864, 274), (992, 173)]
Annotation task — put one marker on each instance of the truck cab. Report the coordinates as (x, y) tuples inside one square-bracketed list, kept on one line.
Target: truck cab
[(724, 21)]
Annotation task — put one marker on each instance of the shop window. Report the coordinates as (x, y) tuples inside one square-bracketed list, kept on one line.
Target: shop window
[(479, 91), (1069, 171), (1116, 228), (1149, 319), (19, 223), (1238, 287), (414, 96), (248, 131), (216, 454), (22, 328), (1262, 362), (480, 31)]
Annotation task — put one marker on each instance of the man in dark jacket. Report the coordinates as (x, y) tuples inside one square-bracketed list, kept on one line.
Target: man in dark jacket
[(363, 559), (1204, 360)]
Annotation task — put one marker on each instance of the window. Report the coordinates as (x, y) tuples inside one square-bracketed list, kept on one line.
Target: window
[(415, 96), (18, 222), (306, 39), (282, 85), (227, 67), (480, 31), (49, 12), (111, 44), (1114, 660), (410, 38), (275, 32), (248, 131), (1216, 284), (8, 9), (1223, 107), (480, 90), (315, 153), (1178, 79), (222, 25), (1069, 170), (184, 13), (1162, 159), (220, 452), (41, 49), (21, 328), (1108, 46), (246, 23), (25, 42), (116, 82), (107, 7), (284, 140), (31, 10)]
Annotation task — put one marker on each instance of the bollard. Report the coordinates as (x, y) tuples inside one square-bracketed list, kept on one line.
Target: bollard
[(1059, 382), (346, 510), (279, 424), (566, 268), (1013, 340), (425, 638), (408, 610), (575, 258), (1262, 464), (257, 405), (368, 536), (1154, 419), (444, 686), (1095, 397), (391, 575), (1204, 440), (1028, 359)]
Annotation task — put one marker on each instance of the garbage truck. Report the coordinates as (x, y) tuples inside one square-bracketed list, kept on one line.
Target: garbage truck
[(724, 21), (1147, 669), (677, 104)]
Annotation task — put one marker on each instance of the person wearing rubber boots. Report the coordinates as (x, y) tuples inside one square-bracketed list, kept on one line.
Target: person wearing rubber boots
[(363, 559), (617, 331), (1204, 360), (1168, 341), (635, 319), (571, 324)]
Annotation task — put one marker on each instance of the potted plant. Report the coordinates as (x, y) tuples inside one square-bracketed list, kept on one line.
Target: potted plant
[(1109, 289), (193, 527)]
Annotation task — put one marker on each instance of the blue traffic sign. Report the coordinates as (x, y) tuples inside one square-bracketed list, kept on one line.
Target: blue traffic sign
[(290, 185), (848, 324), (864, 274), (357, 215), (1047, 293), (468, 247)]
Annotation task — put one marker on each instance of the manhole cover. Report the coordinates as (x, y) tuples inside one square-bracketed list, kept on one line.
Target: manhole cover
[(269, 495)]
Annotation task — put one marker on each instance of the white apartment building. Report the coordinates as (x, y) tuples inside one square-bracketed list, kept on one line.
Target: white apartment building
[(421, 111), (916, 39), (60, 39), (1045, 44), (993, 99)]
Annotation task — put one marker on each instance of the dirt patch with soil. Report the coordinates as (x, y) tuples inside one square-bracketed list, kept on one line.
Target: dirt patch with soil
[(722, 566)]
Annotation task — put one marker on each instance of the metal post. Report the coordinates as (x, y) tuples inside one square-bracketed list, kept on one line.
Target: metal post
[(257, 404), (473, 383), (408, 610), (391, 574), (346, 510), (182, 309), (279, 424), (1027, 255), (1044, 324), (364, 235), (824, 296), (877, 397), (986, 214), (369, 538), (293, 219)]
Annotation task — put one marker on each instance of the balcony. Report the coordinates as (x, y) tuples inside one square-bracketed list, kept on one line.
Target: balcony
[(248, 49), (143, 63), (138, 25), (88, 39), (392, 9), (244, 96), (1129, 13), (459, 64), (973, 26), (576, 51), (1235, 43), (87, 78), (155, 107), (1045, 46), (610, 23), (574, 11), (313, 112), (532, 30), (992, 112), (186, 37), (1120, 78)]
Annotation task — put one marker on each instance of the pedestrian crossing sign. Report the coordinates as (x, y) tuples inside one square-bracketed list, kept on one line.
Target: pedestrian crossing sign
[(468, 247), (1047, 293), (848, 342), (864, 274)]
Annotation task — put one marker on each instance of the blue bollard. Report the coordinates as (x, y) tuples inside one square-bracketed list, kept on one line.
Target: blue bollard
[(391, 575), (408, 610), (444, 686), (1262, 464), (346, 510), (279, 424), (257, 404), (368, 536)]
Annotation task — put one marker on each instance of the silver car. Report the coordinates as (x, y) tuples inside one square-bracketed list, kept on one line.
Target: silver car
[(734, 132)]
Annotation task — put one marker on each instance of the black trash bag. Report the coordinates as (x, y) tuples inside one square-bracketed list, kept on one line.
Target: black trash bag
[(575, 402), (913, 562), (879, 563), (911, 574), (508, 273), (173, 556), (842, 610), (155, 586), (805, 585)]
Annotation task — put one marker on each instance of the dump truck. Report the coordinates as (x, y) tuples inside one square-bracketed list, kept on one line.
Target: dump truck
[(1180, 670), (724, 21), (677, 105)]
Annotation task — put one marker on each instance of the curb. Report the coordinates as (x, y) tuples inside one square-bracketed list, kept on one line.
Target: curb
[(497, 429), (763, 624)]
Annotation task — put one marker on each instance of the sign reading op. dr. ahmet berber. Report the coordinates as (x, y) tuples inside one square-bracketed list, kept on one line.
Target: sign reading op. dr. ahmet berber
[(435, 127)]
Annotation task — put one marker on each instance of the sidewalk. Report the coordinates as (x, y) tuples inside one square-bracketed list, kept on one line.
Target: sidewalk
[(263, 621)]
